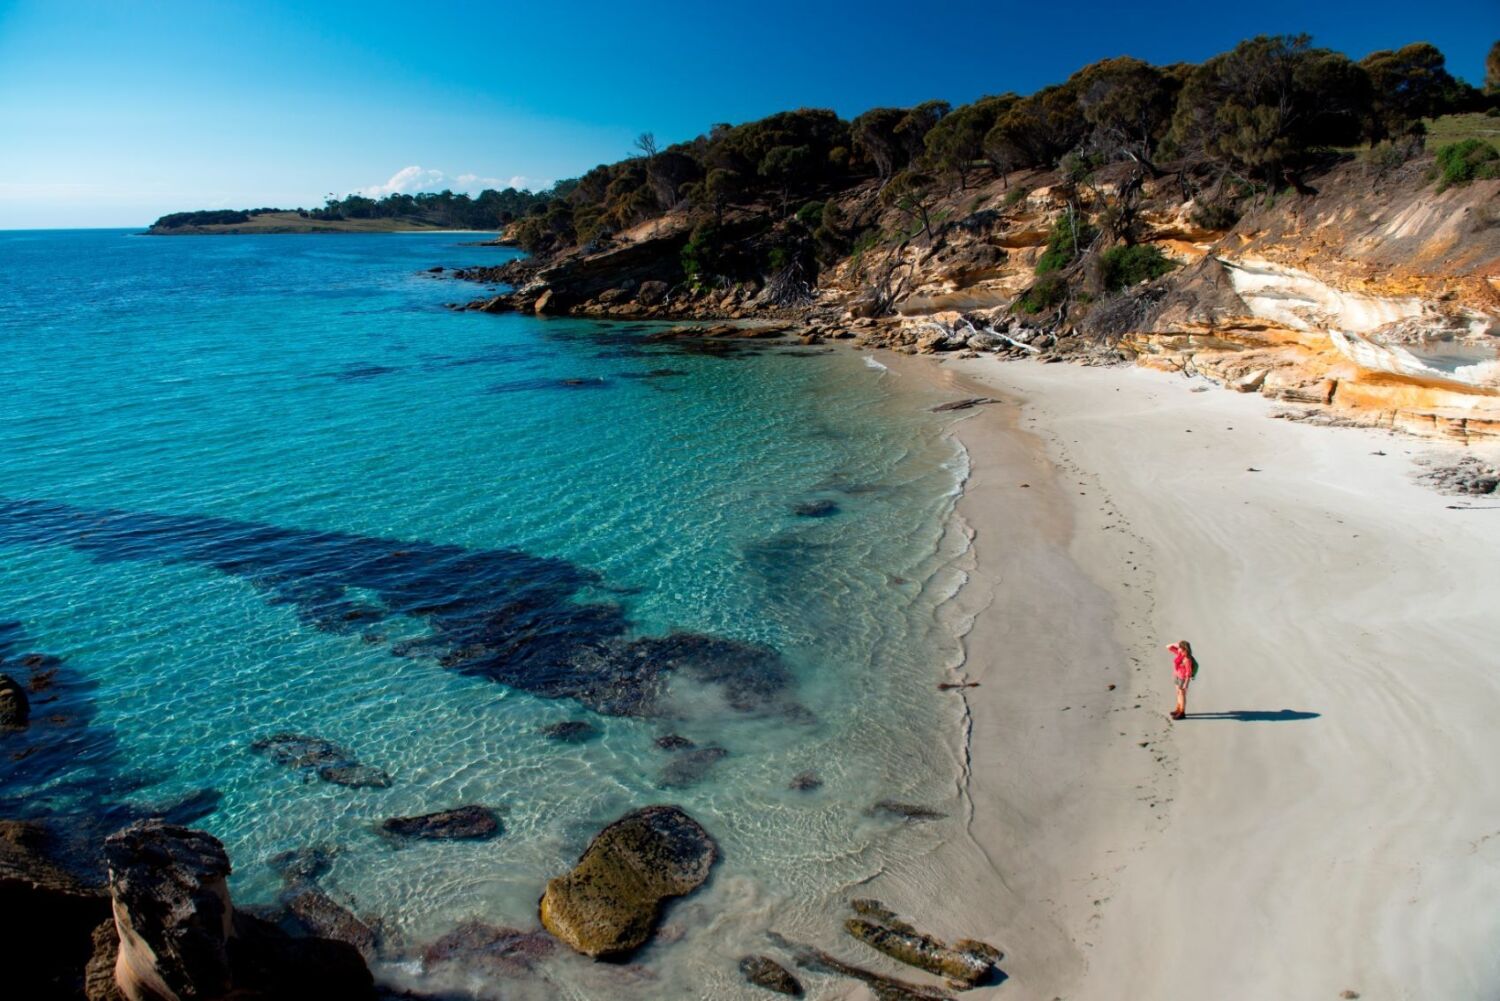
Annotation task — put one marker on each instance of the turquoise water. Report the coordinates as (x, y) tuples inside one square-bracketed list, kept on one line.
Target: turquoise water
[(262, 484)]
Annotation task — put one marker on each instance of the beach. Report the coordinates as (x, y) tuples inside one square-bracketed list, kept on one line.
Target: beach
[(1324, 820)]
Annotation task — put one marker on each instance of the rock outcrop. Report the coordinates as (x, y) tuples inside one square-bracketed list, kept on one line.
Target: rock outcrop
[(177, 935), (461, 823), (966, 962), (15, 707), (170, 896), (608, 905), (763, 971), (48, 911)]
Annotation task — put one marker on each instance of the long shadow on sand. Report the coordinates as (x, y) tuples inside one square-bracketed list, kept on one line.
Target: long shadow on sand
[(1255, 715)]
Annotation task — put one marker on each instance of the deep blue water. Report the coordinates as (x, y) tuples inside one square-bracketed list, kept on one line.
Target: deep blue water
[(262, 484)]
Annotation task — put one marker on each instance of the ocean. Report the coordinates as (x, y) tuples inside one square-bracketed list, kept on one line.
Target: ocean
[(265, 485)]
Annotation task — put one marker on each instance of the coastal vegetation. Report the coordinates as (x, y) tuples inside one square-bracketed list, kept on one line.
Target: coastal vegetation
[(489, 210), (1233, 132)]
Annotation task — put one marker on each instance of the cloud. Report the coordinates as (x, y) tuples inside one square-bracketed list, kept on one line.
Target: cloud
[(413, 179)]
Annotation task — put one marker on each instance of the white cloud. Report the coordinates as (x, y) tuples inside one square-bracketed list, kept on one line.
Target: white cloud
[(410, 180)]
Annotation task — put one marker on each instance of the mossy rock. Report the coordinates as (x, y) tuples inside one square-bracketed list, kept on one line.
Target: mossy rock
[(607, 907)]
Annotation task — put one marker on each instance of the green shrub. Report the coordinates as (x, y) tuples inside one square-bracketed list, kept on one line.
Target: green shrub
[(1048, 292), (1462, 162), (1125, 266), (701, 254), (1388, 155), (1013, 196), (811, 215), (1067, 241)]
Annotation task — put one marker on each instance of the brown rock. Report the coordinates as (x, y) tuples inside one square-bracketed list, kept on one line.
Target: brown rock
[(608, 905)]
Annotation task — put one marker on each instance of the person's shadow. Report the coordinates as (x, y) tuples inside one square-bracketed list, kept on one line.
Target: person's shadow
[(1257, 715)]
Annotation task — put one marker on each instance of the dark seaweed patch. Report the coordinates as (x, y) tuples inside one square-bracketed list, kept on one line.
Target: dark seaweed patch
[(522, 385), (501, 614), (357, 373)]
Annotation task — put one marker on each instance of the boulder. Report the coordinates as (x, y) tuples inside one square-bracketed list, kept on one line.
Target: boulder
[(762, 971), (48, 910), (325, 917), (691, 767), (614, 297), (543, 302), (324, 758), (15, 707), (652, 293), (460, 823), (487, 950), (170, 899), (572, 731), (608, 905)]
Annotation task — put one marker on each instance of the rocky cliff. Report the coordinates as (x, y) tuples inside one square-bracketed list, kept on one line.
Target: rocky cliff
[(1367, 293)]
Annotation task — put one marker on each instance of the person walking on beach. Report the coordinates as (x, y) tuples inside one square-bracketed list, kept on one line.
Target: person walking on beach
[(1185, 667)]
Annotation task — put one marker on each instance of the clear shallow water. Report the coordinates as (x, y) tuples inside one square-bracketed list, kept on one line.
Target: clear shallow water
[(260, 484)]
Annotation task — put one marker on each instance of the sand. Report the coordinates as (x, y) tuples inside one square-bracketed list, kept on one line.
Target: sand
[(1328, 818)]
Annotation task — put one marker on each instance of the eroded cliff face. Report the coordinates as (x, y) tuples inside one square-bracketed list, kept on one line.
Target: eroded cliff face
[(1380, 302), (1374, 297), (1370, 294)]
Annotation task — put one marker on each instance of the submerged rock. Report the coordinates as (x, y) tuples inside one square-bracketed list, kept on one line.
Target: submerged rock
[(806, 781), (674, 742), (302, 866), (460, 823), (906, 811), (326, 918), (15, 707), (607, 906), (973, 401), (816, 509), (487, 949), (690, 767), (884, 988), (762, 971), (572, 731), (324, 758), (968, 961)]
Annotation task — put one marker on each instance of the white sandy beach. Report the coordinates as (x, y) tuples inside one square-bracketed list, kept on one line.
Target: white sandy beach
[(1328, 818)]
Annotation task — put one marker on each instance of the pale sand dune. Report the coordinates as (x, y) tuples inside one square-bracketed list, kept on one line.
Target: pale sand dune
[(1233, 857)]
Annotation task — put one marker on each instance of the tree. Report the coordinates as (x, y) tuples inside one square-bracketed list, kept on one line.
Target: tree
[(874, 135), (1406, 85), (1036, 130), (1129, 103), (1492, 70), (955, 142), (911, 193), (1259, 108)]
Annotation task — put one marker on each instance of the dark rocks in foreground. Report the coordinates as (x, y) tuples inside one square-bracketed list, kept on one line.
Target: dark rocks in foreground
[(15, 707), (674, 742), (461, 823), (324, 758), (608, 905), (762, 971), (48, 911), (806, 781), (180, 937)]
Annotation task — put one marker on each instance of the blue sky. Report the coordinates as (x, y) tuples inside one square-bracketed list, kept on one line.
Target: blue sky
[(114, 113)]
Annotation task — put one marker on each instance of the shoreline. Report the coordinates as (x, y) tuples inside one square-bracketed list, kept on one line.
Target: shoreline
[(1330, 833)]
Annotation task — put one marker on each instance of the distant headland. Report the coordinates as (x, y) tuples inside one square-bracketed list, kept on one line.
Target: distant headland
[(488, 211)]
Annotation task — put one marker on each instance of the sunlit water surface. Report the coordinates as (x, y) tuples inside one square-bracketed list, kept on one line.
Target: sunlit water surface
[(211, 448)]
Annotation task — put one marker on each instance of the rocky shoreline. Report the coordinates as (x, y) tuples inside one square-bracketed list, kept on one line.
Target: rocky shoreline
[(1348, 300)]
